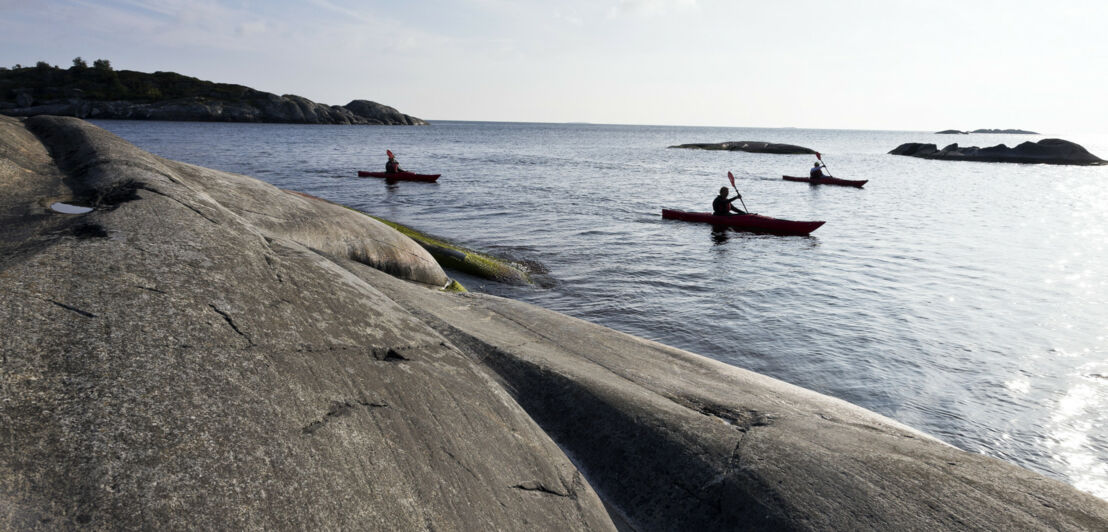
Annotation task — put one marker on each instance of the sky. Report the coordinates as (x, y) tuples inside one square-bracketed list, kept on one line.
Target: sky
[(848, 64)]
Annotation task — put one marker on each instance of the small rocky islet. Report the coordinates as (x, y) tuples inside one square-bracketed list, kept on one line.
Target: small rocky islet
[(1045, 151), (986, 131), (203, 350), (751, 146)]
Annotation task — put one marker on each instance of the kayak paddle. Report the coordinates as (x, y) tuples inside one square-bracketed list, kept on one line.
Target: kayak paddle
[(732, 178)]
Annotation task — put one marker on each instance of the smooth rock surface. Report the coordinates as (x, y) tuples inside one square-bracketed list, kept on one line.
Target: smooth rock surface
[(750, 146), (193, 354), (1046, 151), (197, 353)]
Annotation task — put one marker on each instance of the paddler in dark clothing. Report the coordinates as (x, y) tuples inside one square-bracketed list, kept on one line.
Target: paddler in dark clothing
[(721, 206), (817, 171), (392, 167)]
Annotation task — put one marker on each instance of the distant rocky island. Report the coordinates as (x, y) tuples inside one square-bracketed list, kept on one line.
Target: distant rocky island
[(750, 146), (1046, 151), (992, 131), (101, 92)]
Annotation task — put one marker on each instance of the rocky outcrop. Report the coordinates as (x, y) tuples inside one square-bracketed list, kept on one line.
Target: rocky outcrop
[(1046, 151), (197, 353), (102, 92), (994, 131), (375, 113), (750, 146), (1005, 131), (265, 108)]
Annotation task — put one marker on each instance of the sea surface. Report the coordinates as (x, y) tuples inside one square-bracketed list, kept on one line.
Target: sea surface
[(968, 300)]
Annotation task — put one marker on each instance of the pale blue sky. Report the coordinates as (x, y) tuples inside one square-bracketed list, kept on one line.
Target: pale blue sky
[(849, 64)]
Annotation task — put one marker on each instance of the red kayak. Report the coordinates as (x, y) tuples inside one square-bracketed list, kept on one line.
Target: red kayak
[(746, 222), (827, 181), (401, 176)]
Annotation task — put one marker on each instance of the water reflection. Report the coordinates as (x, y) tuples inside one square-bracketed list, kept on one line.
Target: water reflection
[(720, 234)]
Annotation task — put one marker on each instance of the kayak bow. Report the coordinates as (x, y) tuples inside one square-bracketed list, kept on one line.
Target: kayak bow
[(746, 222)]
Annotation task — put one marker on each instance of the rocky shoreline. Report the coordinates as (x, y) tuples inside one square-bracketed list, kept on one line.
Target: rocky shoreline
[(266, 108), (102, 92), (203, 350)]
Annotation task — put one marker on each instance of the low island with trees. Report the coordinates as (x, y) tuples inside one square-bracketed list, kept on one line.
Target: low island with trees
[(100, 91)]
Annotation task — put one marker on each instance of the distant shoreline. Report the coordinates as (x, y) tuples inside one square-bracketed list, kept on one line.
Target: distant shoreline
[(100, 92)]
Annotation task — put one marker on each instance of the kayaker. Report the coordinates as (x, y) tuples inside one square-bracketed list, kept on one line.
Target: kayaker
[(817, 171), (721, 206), (392, 167)]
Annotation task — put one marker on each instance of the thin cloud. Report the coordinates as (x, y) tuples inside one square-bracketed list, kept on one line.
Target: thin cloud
[(350, 13)]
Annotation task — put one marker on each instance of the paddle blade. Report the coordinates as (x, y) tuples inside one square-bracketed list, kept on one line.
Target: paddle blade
[(389, 153), (732, 178), (818, 156)]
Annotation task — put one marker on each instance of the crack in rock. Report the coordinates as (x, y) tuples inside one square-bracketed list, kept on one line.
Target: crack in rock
[(339, 409), (171, 198), (743, 419), (535, 485), (231, 322), (72, 309), (272, 263)]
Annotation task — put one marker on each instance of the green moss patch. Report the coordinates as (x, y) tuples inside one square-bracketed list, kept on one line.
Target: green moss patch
[(450, 255), (455, 257)]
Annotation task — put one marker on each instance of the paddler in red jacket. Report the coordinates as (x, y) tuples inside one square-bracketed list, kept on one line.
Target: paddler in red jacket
[(392, 167), (721, 206)]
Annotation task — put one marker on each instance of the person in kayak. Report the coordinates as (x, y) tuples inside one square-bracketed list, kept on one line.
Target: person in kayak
[(817, 171), (392, 167), (721, 206)]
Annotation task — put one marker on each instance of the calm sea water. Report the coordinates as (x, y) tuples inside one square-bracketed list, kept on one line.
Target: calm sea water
[(969, 300)]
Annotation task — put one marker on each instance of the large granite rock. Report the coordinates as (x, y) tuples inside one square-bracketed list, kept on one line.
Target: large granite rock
[(750, 146), (204, 351), (255, 106), (1046, 151)]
